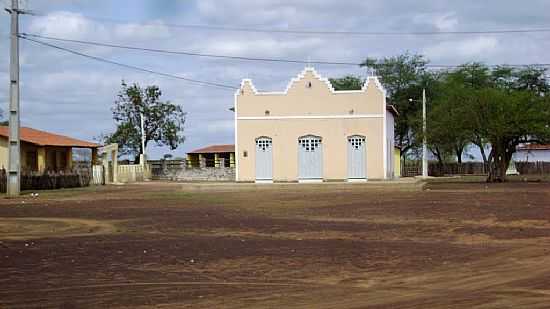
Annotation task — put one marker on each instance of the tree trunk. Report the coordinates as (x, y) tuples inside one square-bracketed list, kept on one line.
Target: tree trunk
[(477, 141), (439, 157), (501, 157), (458, 152), (483, 155), (481, 147)]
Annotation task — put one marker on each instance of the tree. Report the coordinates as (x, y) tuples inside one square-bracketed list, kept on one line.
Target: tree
[(447, 135), (403, 76), (3, 122), (459, 84), (348, 82), (163, 121), (502, 107), (507, 118)]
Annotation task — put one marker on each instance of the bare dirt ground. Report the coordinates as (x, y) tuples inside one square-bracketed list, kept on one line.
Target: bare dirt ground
[(163, 245)]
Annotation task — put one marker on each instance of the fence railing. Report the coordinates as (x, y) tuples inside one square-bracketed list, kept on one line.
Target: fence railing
[(49, 180), (131, 173), (414, 168), (98, 175), (533, 168)]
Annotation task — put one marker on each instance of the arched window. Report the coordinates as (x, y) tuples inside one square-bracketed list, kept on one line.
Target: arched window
[(310, 143)]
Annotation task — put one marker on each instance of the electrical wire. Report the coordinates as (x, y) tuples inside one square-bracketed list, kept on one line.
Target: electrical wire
[(311, 31), (186, 53), (201, 82)]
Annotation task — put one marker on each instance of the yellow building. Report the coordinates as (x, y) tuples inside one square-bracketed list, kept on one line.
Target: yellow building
[(397, 162), (311, 132), (43, 151)]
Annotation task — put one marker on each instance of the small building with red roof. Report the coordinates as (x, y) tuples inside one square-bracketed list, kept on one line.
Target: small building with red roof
[(533, 153), (43, 151), (212, 156)]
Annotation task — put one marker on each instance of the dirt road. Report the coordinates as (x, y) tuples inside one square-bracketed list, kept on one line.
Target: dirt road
[(172, 246)]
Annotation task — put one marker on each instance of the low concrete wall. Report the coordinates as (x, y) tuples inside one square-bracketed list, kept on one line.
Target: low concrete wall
[(206, 174), (178, 170)]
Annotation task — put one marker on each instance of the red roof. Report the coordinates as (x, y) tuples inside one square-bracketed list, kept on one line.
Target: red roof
[(215, 149), (535, 147), (43, 138)]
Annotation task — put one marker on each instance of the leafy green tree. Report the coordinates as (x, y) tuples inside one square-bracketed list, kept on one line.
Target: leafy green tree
[(532, 79), (477, 105), (163, 121), (403, 76), (459, 83), (447, 134), (348, 82), (507, 118)]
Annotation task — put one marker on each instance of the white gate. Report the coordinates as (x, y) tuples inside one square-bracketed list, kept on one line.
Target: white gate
[(357, 153), (310, 157), (264, 159), (98, 175)]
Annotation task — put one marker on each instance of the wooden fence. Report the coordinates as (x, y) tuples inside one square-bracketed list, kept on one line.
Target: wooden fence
[(49, 180), (131, 173), (414, 168), (98, 175), (533, 168)]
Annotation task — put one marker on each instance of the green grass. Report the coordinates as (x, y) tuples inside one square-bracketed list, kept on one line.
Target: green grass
[(206, 197), (483, 178)]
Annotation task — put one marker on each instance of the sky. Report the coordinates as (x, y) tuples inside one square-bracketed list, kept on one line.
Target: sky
[(71, 95)]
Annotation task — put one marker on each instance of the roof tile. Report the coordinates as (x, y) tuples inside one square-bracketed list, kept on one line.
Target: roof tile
[(43, 138), (535, 147), (215, 149)]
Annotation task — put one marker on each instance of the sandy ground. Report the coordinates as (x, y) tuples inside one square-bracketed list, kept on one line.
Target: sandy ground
[(162, 245)]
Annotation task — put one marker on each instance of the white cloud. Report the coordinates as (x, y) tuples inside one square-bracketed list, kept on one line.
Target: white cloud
[(153, 30), (76, 26), (480, 48), (219, 126), (446, 22), (65, 25), (263, 47), (440, 21)]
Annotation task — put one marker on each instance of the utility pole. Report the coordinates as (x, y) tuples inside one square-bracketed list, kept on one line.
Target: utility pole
[(14, 157), (424, 138), (142, 158)]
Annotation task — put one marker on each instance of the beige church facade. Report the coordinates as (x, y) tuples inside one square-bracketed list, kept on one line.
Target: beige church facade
[(312, 133)]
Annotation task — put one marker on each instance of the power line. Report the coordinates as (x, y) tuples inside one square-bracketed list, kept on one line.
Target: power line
[(314, 32), (205, 83), (186, 53)]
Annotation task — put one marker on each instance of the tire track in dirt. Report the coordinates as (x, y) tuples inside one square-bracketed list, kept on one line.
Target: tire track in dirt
[(23, 228)]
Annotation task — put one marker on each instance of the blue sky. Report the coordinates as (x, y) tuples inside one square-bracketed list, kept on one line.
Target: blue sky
[(71, 95)]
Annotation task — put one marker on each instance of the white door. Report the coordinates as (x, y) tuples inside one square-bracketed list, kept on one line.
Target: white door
[(357, 153), (264, 159), (310, 157)]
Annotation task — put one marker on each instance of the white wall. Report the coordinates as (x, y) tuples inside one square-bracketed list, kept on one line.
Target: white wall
[(532, 155)]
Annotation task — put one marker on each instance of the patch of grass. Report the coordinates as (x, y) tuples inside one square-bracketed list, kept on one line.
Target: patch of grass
[(207, 197), (169, 195), (483, 178), (57, 193)]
